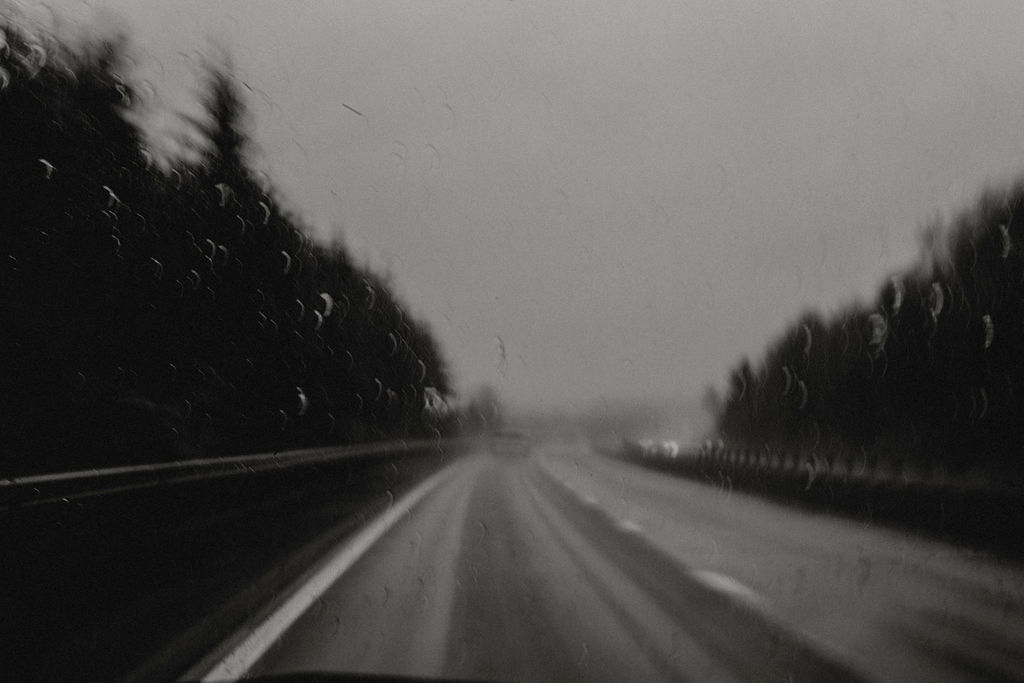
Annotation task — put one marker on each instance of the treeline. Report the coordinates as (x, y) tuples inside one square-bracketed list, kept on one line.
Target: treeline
[(929, 375), (159, 309)]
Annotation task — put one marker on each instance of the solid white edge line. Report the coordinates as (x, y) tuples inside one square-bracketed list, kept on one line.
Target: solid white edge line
[(244, 655)]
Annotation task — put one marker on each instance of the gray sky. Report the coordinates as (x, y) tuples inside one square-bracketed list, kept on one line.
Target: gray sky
[(629, 196)]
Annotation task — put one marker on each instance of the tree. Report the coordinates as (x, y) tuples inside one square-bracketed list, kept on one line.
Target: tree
[(178, 306)]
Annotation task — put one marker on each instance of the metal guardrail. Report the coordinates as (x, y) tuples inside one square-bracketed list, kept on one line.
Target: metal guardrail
[(63, 487), (137, 571), (811, 467), (978, 508)]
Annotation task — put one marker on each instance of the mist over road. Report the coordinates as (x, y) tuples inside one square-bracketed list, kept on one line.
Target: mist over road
[(566, 565)]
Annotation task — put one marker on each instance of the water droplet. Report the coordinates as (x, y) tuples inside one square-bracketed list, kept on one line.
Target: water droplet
[(371, 295), (789, 380), (147, 90), (397, 157), (897, 296), (502, 355), (226, 193), (452, 121), (938, 298), (112, 199), (879, 332), (328, 304), (433, 157), (584, 654), (34, 60), (263, 181)]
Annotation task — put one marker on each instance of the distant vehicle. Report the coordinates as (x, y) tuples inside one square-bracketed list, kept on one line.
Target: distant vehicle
[(510, 443), (658, 449)]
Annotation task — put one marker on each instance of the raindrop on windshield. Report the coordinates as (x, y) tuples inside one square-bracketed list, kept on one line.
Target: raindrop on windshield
[(433, 157)]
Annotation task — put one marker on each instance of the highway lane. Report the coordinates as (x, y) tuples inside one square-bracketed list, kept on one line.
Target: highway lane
[(895, 606), (566, 565)]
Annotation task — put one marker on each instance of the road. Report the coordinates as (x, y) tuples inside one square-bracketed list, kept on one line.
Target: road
[(568, 565)]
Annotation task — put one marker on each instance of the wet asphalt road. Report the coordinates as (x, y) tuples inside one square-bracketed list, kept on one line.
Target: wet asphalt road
[(567, 565)]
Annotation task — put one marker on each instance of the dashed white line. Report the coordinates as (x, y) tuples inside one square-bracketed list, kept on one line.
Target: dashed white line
[(246, 653)]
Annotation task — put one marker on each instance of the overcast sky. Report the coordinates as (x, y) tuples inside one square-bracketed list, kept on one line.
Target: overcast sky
[(611, 199)]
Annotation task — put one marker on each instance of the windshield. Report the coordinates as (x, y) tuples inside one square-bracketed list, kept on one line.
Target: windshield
[(512, 340)]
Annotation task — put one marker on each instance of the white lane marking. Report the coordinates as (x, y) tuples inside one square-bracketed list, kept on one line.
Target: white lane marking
[(589, 499), (728, 585), (248, 652), (630, 526)]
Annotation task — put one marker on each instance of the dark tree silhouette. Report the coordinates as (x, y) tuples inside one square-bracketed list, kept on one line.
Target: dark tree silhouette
[(929, 373), (155, 311)]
